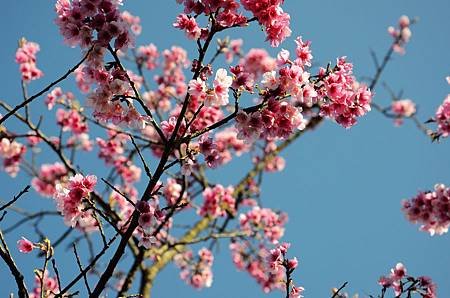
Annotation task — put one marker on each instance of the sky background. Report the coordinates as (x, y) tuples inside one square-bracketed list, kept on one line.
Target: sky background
[(341, 188)]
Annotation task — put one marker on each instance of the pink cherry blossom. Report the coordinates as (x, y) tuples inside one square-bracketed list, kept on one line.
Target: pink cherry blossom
[(148, 55), (69, 199), (217, 201), (189, 25), (265, 221), (403, 108), (270, 14), (26, 58), (443, 117), (196, 273), (401, 35), (219, 95), (430, 209), (12, 153), (398, 280), (49, 176), (24, 245)]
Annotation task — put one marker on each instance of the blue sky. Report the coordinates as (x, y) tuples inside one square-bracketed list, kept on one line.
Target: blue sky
[(341, 188)]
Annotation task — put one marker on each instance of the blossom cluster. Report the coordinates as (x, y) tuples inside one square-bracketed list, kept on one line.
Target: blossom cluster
[(226, 15), (171, 82), (216, 96), (69, 200), (273, 163), (270, 14), (26, 58), (12, 153), (196, 272), (57, 95), (265, 221), (401, 35), (146, 217), (278, 261), (218, 201), (401, 283), (49, 288), (348, 99), (87, 22), (335, 91), (269, 268), (430, 209), (49, 176), (112, 152), (256, 265), (78, 22), (71, 120)]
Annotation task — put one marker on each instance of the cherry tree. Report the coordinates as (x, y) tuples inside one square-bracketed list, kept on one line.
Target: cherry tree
[(169, 120)]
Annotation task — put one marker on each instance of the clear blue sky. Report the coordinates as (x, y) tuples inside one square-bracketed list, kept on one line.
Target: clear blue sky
[(342, 188)]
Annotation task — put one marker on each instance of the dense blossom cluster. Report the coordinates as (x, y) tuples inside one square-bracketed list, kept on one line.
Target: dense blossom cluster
[(270, 14), (26, 58), (265, 221), (49, 175), (87, 22), (277, 120), (430, 209), (348, 99), (403, 108), (12, 153), (69, 200), (401, 35), (335, 91), (71, 120), (79, 21), (401, 283), (196, 272), (218, 201)]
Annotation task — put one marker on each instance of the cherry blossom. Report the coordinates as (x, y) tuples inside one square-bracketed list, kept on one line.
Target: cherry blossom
[(49, 176), (26, 58), (217, 201), (25, 246), (12, 153), (69, 198), (401, 35), (443, 117), (430, 209), (401, 283), (403, 108), (270, 14)]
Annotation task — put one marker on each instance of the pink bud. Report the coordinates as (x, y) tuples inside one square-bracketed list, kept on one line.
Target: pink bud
[(24, 245), (293, 263)]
